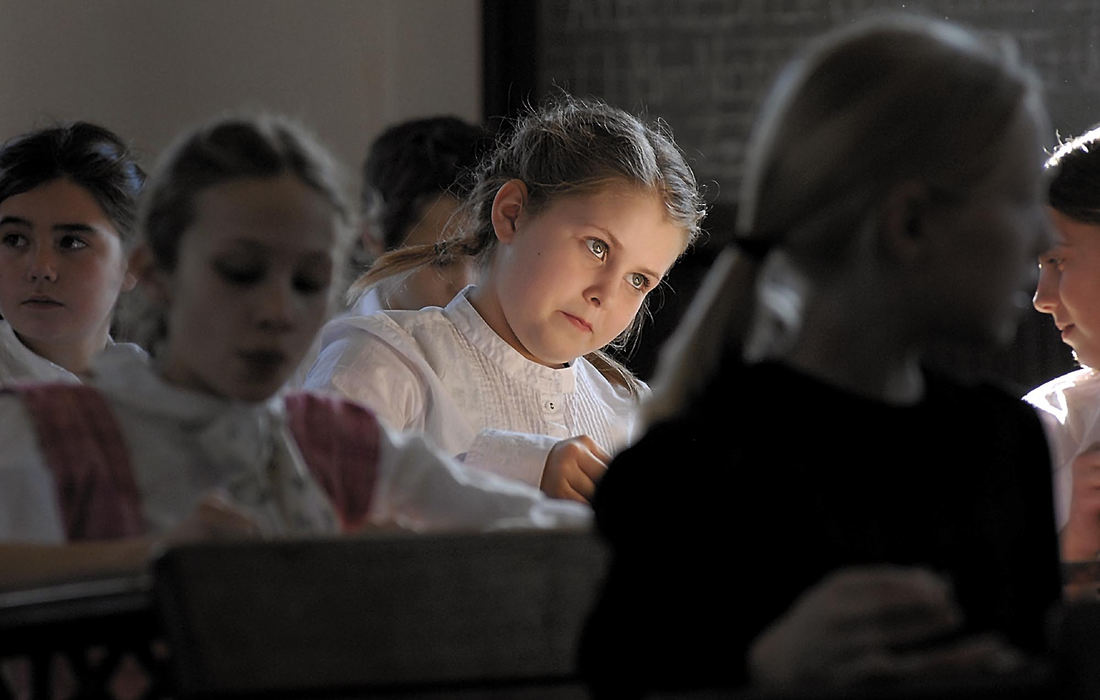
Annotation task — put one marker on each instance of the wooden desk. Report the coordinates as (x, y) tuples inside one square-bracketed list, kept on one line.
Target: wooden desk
[(403, 616), (494, 615), (91, 625)]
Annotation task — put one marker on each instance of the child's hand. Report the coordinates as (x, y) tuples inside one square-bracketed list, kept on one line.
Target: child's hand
[(1081, 535), (872, 623), (573, 467), (214, 518)]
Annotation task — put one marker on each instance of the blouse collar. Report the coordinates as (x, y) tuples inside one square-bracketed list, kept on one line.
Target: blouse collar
[(471, 325), (23, 364), (248, 439), (232, 429)]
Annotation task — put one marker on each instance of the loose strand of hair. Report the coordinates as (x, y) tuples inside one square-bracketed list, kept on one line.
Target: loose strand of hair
[(616, 372), (409, 258)]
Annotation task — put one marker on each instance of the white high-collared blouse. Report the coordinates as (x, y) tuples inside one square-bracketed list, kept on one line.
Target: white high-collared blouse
[(445, 373)]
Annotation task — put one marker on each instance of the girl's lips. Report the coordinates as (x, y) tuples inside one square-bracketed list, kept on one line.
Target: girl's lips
[(263, 357), (42, 301), (578, 322)]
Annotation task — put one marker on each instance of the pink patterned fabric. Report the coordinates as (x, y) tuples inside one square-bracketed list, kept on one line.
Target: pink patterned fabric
[(339, 441), (81, 443), (96, 492)]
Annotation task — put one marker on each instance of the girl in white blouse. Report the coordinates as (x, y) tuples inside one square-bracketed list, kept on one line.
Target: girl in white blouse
[(68, 195), (574, 219), (243, 232), (1069, 281)]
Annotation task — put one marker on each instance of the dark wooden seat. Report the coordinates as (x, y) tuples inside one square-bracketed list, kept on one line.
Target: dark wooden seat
[(457, 615)]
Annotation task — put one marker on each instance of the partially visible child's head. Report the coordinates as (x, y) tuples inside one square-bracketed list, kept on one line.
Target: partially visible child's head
[(245, 226), (415, 176), (86, 154), (900, 123), (410, 167), (68, 200), (1069, 272)]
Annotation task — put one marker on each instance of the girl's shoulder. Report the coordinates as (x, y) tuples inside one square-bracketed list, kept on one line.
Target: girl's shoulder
[(17, 429), (18, 363), (615, 385), (387, 323), (1051, 396)]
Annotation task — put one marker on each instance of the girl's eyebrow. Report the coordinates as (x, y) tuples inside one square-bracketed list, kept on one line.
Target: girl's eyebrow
[(64, 228), (74, 228)]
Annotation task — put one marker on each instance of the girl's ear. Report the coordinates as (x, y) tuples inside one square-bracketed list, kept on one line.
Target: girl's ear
[(129, 281), (129, 277), (372, 244), (143, 270), (903, 233), (507, 206)]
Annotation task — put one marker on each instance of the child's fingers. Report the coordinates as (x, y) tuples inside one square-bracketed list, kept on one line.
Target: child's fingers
[(980, 654), (582, 484), (218, 517), (592, 459), (882, 607)]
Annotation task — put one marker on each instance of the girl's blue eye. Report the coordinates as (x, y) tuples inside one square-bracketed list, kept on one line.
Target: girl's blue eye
[(638, 281), (598, 247)]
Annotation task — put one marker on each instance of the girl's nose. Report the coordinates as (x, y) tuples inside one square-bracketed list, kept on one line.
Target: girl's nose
[(1046, 291), (42, 265), (276, 308), (599, 292)]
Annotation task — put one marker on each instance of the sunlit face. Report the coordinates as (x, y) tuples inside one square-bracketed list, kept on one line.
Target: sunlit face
[(432, 285), (1069, 286), (251, 287), (572, 277), (986, 270), (62, 267)]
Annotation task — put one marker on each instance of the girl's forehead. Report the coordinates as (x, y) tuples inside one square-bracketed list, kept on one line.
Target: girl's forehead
[(1068, 231), (281, 213), (613, 200), (636, 222)]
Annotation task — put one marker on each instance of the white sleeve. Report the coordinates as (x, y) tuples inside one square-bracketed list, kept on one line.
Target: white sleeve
[(1061, 464), (520, 456), (421, 488), (28, 502), (360, 366)]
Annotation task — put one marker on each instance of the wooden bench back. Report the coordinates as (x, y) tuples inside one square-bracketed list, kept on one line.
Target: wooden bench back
[(438, 613)]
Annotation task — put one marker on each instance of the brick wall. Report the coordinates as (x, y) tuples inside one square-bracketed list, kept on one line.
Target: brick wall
[(703, 66)]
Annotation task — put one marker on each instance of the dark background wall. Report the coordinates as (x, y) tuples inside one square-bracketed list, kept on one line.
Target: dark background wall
[(702, 66)]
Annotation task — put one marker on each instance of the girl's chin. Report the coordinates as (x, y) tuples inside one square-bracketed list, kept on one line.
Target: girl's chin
[(1088, 359)]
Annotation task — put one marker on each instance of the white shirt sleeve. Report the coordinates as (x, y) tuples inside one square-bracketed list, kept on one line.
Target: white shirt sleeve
[(360, 366), (28, 502), (422, 489), (520, 456)]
